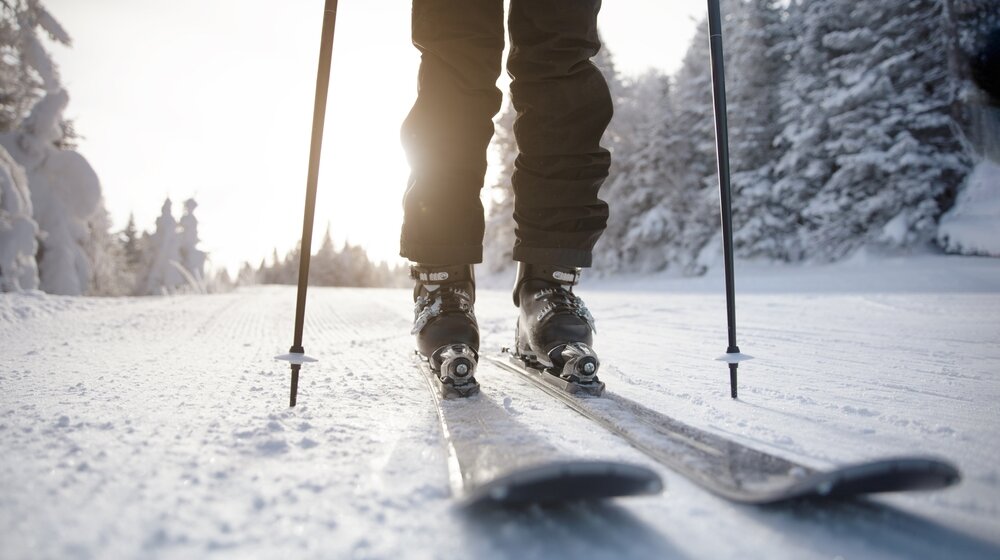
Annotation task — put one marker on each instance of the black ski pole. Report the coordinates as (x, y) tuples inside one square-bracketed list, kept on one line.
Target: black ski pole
[(733, 356), (296, 354)]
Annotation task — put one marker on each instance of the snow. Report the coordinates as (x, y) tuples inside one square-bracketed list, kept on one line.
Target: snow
[(159, 427), (972, 226)]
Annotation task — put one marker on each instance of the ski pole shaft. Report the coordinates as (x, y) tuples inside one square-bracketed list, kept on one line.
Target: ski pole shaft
[(315, 150), (725, 191)]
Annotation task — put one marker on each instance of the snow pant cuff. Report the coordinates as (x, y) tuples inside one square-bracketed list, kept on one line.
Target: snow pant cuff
[(441, 254), (553, 255)]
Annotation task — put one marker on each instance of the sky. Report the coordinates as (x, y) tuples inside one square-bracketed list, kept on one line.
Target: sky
[(212, 99)]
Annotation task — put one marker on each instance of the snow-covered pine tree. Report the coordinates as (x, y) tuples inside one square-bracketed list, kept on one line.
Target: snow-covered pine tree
[(872, 151), (756, 54), (664, 191), (26, 69), (110, 273), (132, 246), (192, 258), (324, 267), (65, 191), (65, 194), (248, 275), (18, 231), (164, 276)]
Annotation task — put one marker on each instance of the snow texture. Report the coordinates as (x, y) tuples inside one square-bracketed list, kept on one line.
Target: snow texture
[(159, 427), (972, 226)]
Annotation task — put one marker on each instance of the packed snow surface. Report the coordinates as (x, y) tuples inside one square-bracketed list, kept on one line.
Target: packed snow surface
[(159, 427)]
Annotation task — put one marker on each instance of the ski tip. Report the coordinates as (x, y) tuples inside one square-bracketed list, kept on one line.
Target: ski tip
[(734, 358), (558, 482), (295, 358)]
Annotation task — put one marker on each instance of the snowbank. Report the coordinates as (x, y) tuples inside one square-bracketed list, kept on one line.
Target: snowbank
[(972, 226)]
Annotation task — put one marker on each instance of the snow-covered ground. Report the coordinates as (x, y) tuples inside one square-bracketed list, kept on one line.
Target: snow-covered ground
[(159, 427)]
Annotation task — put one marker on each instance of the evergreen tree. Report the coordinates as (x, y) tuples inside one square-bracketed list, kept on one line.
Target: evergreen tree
[(111, 275), (248, 276), (26, 69), (664, 191), (324, 267), (191, 258), (164, 275), (871, 153)]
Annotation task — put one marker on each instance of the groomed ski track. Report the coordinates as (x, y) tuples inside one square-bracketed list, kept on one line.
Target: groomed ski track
[(159, 427)]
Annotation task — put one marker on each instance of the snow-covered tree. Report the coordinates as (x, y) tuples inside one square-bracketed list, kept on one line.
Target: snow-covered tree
[(65, 191), (247, 275), (26, 69), (325, 268), (871, 154), (132, 245), (110, 273), (18, 230), (663, 191), (164, 274), (192, 258), (65, 194)]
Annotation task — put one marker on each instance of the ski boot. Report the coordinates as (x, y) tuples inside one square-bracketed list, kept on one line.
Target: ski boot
[(445, 325), (554, 329)]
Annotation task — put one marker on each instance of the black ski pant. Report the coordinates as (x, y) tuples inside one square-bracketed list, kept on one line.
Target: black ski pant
[(563, 107)]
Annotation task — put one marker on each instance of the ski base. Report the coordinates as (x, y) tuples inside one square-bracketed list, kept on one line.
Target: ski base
[(732, 470), (494, 460)]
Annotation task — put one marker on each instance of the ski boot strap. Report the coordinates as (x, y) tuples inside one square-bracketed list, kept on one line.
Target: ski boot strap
[(562, 275), (437, 274)]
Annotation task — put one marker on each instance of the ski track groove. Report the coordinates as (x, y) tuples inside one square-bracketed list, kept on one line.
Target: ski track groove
[(159, 426)]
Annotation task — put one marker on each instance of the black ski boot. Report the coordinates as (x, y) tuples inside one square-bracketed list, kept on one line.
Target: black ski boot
[(445, 325), (555, 330)]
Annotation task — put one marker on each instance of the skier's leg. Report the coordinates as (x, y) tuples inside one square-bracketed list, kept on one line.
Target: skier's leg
[(563, 107), (446, 136), (449, 128)]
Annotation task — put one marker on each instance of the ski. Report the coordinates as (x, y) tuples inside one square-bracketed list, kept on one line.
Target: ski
[(730, 469), (495, 460)]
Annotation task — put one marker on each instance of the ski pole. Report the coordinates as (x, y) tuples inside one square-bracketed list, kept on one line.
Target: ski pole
[(732, 356), (296, 354)]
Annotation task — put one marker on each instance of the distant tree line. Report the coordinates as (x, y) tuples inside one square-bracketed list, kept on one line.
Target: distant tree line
[(348, 266)]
